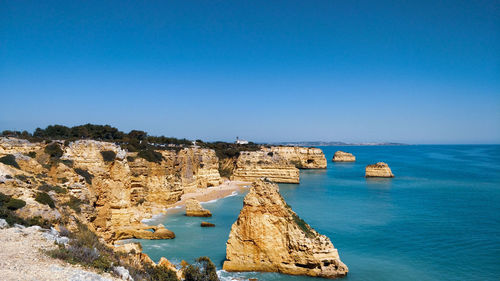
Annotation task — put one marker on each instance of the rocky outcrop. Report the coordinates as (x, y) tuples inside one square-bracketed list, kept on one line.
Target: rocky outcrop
[(380, 170), (144, 232), (207, 224), (268, 236), (277, 163), (114, 195), (253, 165), (341, 156), (301, 157), (194, 209)]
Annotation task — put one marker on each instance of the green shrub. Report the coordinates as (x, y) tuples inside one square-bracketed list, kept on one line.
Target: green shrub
[(150, 155), (74, 203), (44, 198), (10, 159), (32, 154), (108, 155), (130, 159), (68, 162), (225, 172), (204, 271), (57, 189), (54, 150), (21, 177), (7, 207), (160, 273), (303, 225), (15, 204), (4, 198), (85, 174), (102, 263)]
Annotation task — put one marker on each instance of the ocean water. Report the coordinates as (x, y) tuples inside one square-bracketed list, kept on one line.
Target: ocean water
[(438, 219)]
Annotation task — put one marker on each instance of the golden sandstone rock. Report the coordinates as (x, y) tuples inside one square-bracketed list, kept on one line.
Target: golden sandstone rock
[(341, 156), (302, 157), (380, 169), (116, 195), (277, 163), (207, 224), (269, 236), (194, 209)]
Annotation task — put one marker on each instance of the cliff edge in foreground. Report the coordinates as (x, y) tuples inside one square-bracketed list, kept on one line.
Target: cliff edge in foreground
[(268, 236)]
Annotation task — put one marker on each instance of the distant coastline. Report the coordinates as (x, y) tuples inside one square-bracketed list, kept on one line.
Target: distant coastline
[(336, 143)]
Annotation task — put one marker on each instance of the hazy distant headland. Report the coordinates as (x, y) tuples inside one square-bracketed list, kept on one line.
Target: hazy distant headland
[(335, 143)]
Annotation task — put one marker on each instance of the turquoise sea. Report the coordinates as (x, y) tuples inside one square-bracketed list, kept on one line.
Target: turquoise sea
[(438, 219)]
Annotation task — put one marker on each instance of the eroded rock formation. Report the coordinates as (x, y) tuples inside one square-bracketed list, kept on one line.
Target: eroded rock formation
[(301, 157), (277, 163), (269, 236), (380, 170), (116, 194), (254, 165), (341, 156), (194, 209)]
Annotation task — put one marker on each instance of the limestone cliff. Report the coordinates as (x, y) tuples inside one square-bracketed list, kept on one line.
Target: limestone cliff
[(253, 165), (301, 157), (380, 170), (117, 193), (269, 236), (341, 156)]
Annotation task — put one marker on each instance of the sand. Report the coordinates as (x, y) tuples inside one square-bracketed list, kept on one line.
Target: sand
[(213, 193)]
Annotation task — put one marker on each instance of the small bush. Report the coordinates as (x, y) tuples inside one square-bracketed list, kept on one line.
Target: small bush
[(32, 154), (225, 172), (74, 203), (161, 273), (21, 177), (7, 207), (57, 189), (4, 198), (204, 271), (85, 174), (44, 198), (102, 263), (68, 162), (10, 159), (303, 225), (150, 155), (108, 155), (54, 150), (130, 159), (85, 248), (15, 204)]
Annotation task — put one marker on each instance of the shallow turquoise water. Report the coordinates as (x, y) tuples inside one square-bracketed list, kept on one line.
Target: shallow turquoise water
[(438, 219)]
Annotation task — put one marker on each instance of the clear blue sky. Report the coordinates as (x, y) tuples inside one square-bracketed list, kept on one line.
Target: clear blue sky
[(403, 71)]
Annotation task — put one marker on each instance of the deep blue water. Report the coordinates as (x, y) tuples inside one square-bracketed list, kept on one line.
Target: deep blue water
[(438, 219)]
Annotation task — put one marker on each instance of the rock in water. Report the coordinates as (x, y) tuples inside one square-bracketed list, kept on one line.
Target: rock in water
[(268, 236), (341, 156), (206, 224), (380, 170), (194, 209)]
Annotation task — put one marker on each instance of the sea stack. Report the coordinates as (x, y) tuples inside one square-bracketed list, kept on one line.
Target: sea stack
[(269, 237), (380, 170), (341, 156), (194, 209)]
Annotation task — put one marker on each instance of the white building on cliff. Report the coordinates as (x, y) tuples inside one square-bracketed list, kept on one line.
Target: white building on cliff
[(238, 141)]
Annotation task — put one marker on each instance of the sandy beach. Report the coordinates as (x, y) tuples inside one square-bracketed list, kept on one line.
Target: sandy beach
[(213, 193)]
